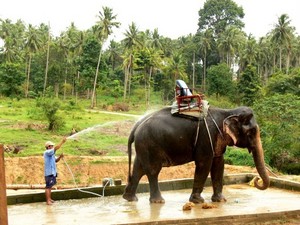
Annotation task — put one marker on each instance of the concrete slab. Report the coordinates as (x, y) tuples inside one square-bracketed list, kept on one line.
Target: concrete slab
[(244, 204)]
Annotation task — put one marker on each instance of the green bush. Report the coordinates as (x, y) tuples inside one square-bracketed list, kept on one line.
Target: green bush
[(50, 107), (291, 168), (237, 156)]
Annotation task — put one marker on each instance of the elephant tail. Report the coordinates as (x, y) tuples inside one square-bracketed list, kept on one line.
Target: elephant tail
[(130, 141)]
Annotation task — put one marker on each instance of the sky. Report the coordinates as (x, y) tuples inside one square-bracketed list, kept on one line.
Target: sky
[(172, 18)]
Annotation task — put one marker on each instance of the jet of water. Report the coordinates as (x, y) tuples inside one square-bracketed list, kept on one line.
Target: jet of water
[(89, 129)]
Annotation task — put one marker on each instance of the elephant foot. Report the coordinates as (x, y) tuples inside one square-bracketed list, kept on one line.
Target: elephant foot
[(157, 200), (130, 197), (196, 198), (218, 198)]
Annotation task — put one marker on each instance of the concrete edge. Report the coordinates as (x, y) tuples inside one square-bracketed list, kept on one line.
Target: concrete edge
[(260, 218), (167, 185)]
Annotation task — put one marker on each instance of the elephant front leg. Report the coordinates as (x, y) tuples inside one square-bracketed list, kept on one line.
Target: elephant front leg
[(217, 172), (201, 174)]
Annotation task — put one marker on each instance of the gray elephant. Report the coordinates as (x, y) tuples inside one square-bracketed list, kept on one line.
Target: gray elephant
[(163, 140)]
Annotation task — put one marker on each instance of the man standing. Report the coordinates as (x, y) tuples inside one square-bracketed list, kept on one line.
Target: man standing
[(50, 167)]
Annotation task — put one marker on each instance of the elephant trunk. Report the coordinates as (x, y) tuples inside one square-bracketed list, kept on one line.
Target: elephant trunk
[(258, 156)]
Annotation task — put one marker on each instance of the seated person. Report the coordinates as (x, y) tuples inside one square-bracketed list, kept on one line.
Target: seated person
[(183, 90)]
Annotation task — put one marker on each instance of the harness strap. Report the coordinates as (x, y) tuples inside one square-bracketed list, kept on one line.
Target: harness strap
[(211, 145), (216, 124), (197, 133), (210, 140)]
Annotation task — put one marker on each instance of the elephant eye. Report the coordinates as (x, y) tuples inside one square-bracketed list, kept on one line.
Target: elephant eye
[(251, 131)]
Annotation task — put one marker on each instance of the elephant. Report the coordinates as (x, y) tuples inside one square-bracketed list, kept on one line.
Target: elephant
[(163, 140)]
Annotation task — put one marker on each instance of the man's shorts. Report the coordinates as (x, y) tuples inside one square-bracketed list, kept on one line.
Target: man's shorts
[(50, 181)]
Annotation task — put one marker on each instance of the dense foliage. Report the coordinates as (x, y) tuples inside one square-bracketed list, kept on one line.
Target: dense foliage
[(220, 60)]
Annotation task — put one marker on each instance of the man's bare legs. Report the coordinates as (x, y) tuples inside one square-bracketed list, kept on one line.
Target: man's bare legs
[(49, 201)]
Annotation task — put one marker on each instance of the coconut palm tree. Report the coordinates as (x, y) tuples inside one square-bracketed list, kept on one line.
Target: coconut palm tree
[(282, 36), (132, 40), (32, 44), (229, 43), (205, 45), (47, 41), (102, 29), (12, 36)]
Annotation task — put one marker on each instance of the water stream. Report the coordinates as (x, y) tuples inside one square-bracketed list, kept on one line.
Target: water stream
[(90, 129)]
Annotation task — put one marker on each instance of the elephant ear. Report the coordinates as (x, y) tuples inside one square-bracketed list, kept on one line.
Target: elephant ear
[(231, 127)]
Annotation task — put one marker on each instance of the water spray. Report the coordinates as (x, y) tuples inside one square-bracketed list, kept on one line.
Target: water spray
[(89, 129)]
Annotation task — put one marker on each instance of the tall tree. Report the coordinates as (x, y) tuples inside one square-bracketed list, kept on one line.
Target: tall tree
[(176, 67), (47, 41), (132, 40), (32, 44), (218, 14), (229, 43), (264, 57), (103, 28), (219, 78), (11, 78), (70, 42), (12, 34), (249, 86), (248, 53), (205, 45), (282, 36)]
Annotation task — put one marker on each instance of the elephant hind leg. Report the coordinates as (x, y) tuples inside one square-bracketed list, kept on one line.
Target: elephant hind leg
[(155, 194), (130, 189)]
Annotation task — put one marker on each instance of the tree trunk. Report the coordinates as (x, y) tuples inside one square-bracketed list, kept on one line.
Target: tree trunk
[(47, 63), (28, 76), (65, 85), (126, 72), (76, 87), (194, 71), (93, 102)]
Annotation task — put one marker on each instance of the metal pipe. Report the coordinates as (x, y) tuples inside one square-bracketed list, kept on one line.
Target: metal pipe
[(3, 199)]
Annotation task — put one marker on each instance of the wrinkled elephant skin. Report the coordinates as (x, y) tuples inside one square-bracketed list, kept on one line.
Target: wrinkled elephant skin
[(162, 140)]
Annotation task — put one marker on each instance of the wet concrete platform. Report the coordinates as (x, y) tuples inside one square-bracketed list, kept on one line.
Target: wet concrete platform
[(244, 204)]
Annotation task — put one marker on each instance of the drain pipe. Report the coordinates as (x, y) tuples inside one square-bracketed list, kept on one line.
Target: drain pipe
[(3, 199)]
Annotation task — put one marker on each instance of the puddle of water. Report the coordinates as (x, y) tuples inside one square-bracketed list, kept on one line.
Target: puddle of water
[(241, 199)]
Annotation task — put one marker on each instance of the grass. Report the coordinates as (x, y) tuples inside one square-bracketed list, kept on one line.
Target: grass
[(22, 124)]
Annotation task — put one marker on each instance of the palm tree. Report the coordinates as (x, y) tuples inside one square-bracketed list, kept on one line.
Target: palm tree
[(103, 29), (176, 67), (32, 44), (132, 40), (113, 54), (282, 35), (248, 53), (70, 42), (264, 58), (296, 55), (155, 40), (47, 41), (12, 35), (205, 43), (229, 43)]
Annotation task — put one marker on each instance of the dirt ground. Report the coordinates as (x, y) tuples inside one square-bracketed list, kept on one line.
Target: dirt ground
[(87, 171)]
